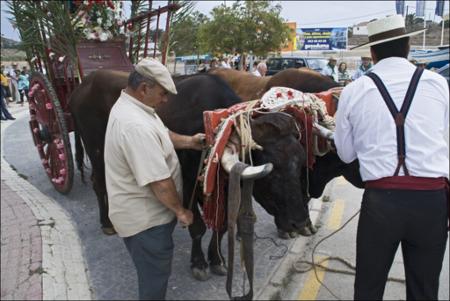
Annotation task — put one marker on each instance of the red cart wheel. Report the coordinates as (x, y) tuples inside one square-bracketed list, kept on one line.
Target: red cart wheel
[(49, 131)]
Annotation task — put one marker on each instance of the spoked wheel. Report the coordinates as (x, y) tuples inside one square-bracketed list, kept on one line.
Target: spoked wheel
[(50, 134)]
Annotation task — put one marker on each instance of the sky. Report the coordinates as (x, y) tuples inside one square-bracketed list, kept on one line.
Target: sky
[(304, 13)]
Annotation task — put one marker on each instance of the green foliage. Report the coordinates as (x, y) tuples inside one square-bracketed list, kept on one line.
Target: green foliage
[(250, 26), (44, 26), (184, 34)]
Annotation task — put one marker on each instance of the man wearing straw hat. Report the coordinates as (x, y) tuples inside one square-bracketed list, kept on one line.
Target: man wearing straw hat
[(330, 69), (393, 120), (365, 67)]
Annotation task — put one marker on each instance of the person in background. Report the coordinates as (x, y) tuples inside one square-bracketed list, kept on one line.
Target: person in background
[(394, 120), (143, 175), (330, 69), (5, 85), (201, 68), (343, 75), (224, 63), (255, 71), (366, 65), (4, 113), (261, 69), (214, 63), (13, 74), (23, 86)]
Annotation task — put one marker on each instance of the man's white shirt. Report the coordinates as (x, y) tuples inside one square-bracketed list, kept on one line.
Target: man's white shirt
[(328, 71), (365, 129)]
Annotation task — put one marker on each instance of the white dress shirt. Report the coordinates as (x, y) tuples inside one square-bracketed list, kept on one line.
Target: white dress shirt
[(365, 129), (328, 71), (256, 73)]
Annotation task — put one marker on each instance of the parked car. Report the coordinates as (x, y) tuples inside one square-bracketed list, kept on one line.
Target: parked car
[(444, 72), (276, 64)]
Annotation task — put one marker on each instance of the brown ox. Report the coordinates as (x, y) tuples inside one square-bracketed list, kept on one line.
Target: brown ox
[(248, 86)]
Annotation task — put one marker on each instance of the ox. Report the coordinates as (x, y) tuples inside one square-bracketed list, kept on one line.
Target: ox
[(280, 194), (249, 86)]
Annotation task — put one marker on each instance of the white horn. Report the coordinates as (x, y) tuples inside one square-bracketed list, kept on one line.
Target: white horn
[(323, 131), (230, 158)]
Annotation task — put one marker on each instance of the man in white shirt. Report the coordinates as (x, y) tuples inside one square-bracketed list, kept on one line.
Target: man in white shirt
[(143, 176), (330, 69), (260, 69), (393, 120), (365, 67)]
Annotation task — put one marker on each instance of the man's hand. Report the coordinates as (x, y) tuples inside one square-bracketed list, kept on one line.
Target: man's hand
[(198, 141), (185, 217)]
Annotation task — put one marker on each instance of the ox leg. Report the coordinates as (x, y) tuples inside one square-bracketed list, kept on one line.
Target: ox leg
[(197, 229), (217, 263), (99, 185), (309, 229), (103, 207)]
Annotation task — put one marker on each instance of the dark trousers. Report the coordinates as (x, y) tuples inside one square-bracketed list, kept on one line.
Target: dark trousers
[(417, 220), (152, 252), (4, 113)]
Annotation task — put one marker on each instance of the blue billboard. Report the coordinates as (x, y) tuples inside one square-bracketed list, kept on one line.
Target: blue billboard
[(333, 38)]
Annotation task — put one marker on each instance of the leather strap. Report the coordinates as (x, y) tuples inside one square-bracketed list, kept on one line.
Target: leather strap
[(240, 211), (399, 116)]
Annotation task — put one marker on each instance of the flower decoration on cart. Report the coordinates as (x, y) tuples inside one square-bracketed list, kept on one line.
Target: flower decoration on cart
[(99, 20)]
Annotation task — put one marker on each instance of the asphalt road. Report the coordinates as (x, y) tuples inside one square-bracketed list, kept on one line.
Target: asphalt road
[(112, 273)]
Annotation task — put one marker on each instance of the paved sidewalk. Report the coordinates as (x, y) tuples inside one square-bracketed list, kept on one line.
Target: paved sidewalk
[(42, 258)]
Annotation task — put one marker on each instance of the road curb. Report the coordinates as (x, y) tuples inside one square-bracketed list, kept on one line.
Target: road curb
[(65, 274), (282, 273)]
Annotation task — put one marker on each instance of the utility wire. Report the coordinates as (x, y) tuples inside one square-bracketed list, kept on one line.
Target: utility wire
[(344, 19)]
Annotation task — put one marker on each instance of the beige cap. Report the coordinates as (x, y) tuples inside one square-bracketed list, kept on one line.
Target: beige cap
[(153, 69)]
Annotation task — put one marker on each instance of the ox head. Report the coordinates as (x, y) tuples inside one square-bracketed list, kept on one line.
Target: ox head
[(279, 193)]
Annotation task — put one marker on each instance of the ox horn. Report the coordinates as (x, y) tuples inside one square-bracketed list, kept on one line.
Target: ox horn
[(230, 158), (322, 131)]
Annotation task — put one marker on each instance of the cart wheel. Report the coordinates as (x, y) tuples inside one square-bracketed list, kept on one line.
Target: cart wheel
[(49, 131)]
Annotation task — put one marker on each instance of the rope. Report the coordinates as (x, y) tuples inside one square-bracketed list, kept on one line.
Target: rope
[(314, 265), (278, 245), (338, 271)]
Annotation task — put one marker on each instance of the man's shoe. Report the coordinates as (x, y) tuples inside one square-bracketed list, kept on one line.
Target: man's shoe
[(12, 118)]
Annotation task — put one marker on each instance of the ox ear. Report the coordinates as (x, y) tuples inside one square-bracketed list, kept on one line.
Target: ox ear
[(273, 126)]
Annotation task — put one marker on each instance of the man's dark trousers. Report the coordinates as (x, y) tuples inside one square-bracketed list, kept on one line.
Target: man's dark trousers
[(417, 220), (152, 252)]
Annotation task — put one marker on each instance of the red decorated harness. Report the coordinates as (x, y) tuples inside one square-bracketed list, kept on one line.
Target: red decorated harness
[(220, 124)]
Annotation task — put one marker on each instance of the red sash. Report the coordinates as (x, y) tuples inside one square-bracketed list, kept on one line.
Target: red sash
[(413, 183)]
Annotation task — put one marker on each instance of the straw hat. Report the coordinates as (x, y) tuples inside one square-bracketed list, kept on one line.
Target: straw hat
[(387, 29)]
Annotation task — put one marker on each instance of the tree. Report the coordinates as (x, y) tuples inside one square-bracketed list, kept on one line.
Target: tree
[(184, 34), (250, 26)]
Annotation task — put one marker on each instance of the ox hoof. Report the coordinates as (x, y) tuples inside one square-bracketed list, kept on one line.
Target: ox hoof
[(304, 231), (312, 228), (201, 275), (109, 230), (219, 269), (326, 198), (283, 235), (293, 234)]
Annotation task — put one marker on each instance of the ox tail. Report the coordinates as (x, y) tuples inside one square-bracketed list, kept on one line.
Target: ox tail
[(79, 155)]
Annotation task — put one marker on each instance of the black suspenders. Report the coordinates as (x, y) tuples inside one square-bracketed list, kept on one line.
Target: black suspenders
[(399, 117)]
